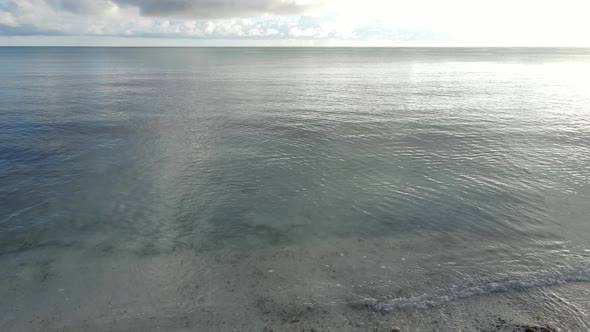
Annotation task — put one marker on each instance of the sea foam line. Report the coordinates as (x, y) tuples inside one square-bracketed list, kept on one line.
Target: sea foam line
[(425, 301)]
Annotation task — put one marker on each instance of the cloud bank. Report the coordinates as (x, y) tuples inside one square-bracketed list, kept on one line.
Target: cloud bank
[(526, 22), (188, 9), (217, 8), (255, 19)]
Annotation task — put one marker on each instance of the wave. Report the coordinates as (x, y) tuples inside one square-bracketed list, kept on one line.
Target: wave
[(426, 301)]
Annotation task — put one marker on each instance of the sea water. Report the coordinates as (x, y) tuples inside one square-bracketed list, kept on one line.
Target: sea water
[(294, 188)]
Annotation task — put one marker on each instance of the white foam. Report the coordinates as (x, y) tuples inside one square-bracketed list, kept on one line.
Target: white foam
[(432, 300)]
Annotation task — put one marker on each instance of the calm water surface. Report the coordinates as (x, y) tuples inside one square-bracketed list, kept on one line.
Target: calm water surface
[(217, 187)]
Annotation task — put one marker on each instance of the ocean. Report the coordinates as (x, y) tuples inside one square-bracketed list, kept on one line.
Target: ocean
[(289, 189)]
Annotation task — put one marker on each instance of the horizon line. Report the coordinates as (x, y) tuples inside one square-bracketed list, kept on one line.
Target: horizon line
[(285, 46)]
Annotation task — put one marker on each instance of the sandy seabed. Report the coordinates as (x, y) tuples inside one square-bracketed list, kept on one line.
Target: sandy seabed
[(332, 285)]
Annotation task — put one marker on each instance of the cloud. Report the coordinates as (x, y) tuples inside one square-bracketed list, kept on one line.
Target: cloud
[(109, 18), (85, 7), (25, 30), (188, 9), (217, 8), (498, 22)]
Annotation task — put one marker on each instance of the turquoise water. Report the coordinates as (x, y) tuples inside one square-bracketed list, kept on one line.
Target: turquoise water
[(142, 185)]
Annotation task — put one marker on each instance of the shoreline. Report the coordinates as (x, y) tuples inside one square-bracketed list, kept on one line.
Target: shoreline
[(73, 289)]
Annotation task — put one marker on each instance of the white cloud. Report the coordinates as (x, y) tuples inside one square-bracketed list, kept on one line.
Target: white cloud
[(525, 22)]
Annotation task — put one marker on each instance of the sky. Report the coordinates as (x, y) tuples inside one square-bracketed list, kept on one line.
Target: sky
[(295, 22)]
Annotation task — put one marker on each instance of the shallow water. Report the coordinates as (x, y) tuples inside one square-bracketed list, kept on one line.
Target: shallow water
[(192, 185)]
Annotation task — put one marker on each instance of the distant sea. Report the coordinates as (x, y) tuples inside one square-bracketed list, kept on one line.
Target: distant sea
[(289, 189)]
